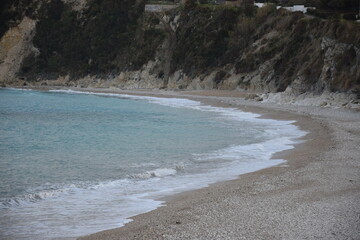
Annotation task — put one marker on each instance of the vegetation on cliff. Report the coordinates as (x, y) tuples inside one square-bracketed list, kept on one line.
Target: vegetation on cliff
[(203, 39), (338, 5), (12, 12), (104, 39), (273, 48), (291, 43)]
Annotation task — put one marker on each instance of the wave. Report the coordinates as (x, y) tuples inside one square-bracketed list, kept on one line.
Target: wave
[(34, 197), (56, 191), (160, 172), (281, 140), (109, 204), (17, 89), (261, 151)]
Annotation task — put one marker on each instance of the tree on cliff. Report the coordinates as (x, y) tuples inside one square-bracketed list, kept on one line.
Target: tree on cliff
[(190, 4), (249, 7)]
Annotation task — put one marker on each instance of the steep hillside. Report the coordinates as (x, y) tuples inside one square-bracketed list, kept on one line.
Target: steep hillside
[(269, 51), (116, 44), (98, 41), (102, 38)]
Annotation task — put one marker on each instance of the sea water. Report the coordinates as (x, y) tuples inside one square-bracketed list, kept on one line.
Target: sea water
[(74, 163)]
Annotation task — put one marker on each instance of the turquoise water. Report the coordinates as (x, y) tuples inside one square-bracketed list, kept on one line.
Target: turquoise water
[(74, 163)]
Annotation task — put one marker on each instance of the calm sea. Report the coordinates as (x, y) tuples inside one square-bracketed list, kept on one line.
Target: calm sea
[(75, 163)]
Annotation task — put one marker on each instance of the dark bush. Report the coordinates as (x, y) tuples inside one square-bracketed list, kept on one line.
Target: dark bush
[(203, 39), (105, 39)]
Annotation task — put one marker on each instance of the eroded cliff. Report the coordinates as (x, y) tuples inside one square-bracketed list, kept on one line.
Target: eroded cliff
[(116, 44)]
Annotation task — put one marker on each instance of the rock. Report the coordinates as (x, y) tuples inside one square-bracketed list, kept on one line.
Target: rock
[(323, 104), (15, 46), (252, 96)]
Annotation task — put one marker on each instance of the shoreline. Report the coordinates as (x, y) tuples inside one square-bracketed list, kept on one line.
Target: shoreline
[(315, 195), (310, 198)]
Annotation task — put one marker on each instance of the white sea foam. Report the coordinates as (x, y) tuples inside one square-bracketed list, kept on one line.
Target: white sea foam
[(160, 172), (18, 89), (110, 204), (230, 113)]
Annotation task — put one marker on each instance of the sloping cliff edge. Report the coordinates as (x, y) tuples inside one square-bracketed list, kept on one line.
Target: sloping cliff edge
[(274, 55)]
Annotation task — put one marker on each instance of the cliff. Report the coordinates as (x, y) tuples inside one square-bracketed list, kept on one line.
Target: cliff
[(116, 44)]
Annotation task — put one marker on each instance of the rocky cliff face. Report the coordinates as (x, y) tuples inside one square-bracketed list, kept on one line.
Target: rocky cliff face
[(15, 45), (116, 44)]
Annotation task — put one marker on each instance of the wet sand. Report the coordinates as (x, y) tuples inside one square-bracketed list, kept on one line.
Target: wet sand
[(316, 195)]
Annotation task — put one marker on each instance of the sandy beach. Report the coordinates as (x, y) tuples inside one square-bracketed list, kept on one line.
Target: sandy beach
[(315, 195)]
